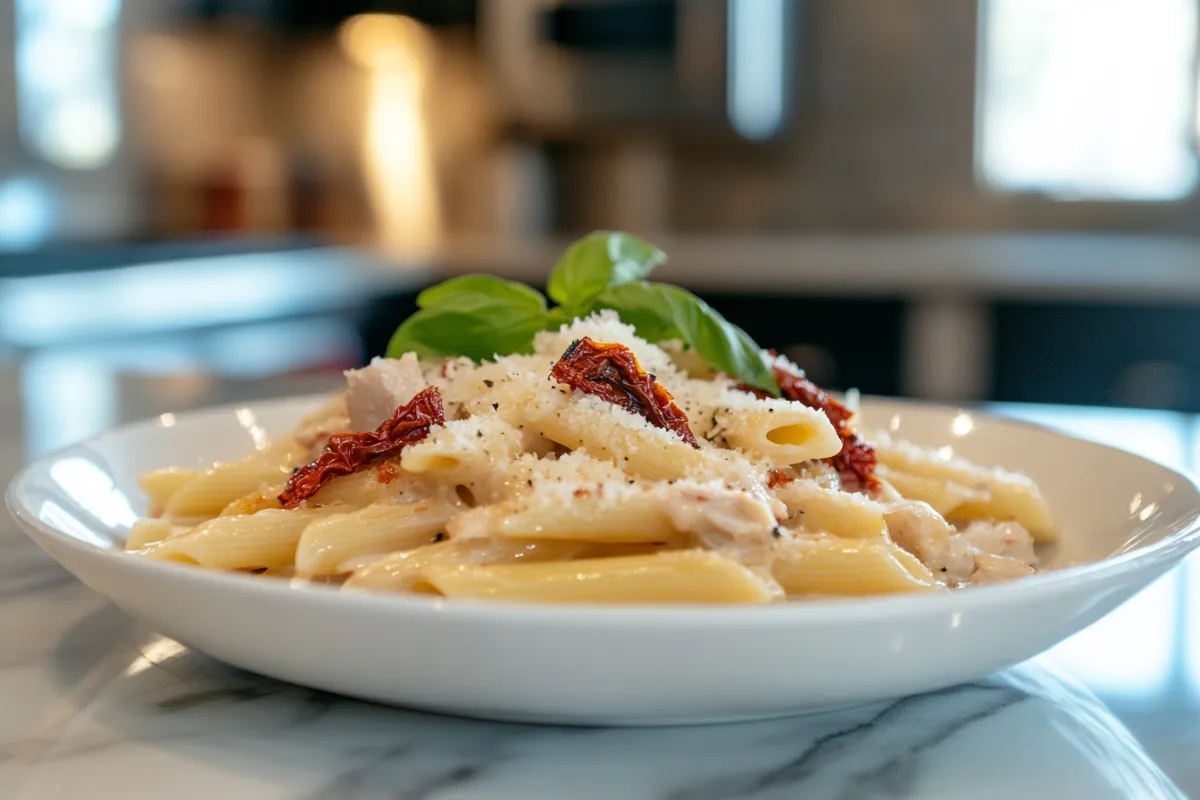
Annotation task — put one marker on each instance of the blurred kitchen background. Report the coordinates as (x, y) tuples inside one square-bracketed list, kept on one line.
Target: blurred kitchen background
[(955, 200)]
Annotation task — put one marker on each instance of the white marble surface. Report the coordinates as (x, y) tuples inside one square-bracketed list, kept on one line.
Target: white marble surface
[(95, 705)]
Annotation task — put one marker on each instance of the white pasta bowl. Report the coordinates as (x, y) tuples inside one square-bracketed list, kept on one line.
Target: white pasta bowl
[(1125, 521)]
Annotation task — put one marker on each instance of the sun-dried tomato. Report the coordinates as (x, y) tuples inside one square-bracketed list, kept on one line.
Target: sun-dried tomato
[(856, 461), (612, 372), (802, 390), (347, 453)]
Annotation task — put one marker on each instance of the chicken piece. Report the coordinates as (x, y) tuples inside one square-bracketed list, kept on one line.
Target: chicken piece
[(1006, 539), (729, 521), (374, 392), (997, 569), (920, 530), (985, 552), (1003, 551), (958, 558)]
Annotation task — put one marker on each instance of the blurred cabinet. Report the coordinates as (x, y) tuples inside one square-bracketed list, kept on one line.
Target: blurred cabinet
[(841, 343), (1142, 356)]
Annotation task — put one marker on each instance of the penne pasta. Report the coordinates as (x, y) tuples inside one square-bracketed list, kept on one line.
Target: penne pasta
[(209, 492), (146, 532), (404, 571), (159, 485), (816, 509), (477, 454), (613, 434), (943, 496), (779, 432), (329, 543), (1005, 495), (684, 576), (584, 514), (253, 503), (267, 539), (832, 566)]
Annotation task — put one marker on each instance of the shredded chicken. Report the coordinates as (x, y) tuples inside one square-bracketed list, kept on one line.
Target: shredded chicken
[(1002, 539), (955, 558), (1003, 551), (996, 569), (722, 519), (374, 392), (920, 530)]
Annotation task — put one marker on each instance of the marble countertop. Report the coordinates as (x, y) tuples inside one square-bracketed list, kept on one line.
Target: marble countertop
[(94, 704)]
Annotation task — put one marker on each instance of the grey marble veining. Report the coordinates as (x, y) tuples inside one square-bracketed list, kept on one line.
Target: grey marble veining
[(93, 704)]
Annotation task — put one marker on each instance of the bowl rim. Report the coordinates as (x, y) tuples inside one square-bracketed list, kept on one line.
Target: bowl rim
[(1172, 548)]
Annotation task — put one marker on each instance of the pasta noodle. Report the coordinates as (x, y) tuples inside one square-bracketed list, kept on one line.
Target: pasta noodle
[(599, 468), (777, 431), (147, 532), (160, 485), (329, 543), (985, 493), (210, 491), (264, 540), (833, 566), (817, 509), (685, 576), (404, 571)]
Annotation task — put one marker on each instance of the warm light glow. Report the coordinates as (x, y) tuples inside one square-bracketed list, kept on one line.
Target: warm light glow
[(962, 425), (398, 163), (385, 41)]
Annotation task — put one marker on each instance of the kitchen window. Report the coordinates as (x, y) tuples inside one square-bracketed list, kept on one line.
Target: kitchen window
[(1087, 99)]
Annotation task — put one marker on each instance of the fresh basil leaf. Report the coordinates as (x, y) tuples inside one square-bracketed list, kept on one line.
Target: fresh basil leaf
[(477, 316), (481, 290), (659, 311), (405, 340), (470, 328), (597, 262)]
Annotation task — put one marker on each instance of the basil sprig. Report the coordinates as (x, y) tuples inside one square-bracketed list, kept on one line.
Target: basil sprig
[(597, 262), (481, 316), (476, 316)]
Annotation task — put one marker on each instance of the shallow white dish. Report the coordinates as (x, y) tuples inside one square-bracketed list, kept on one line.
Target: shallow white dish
[(620, 665)]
